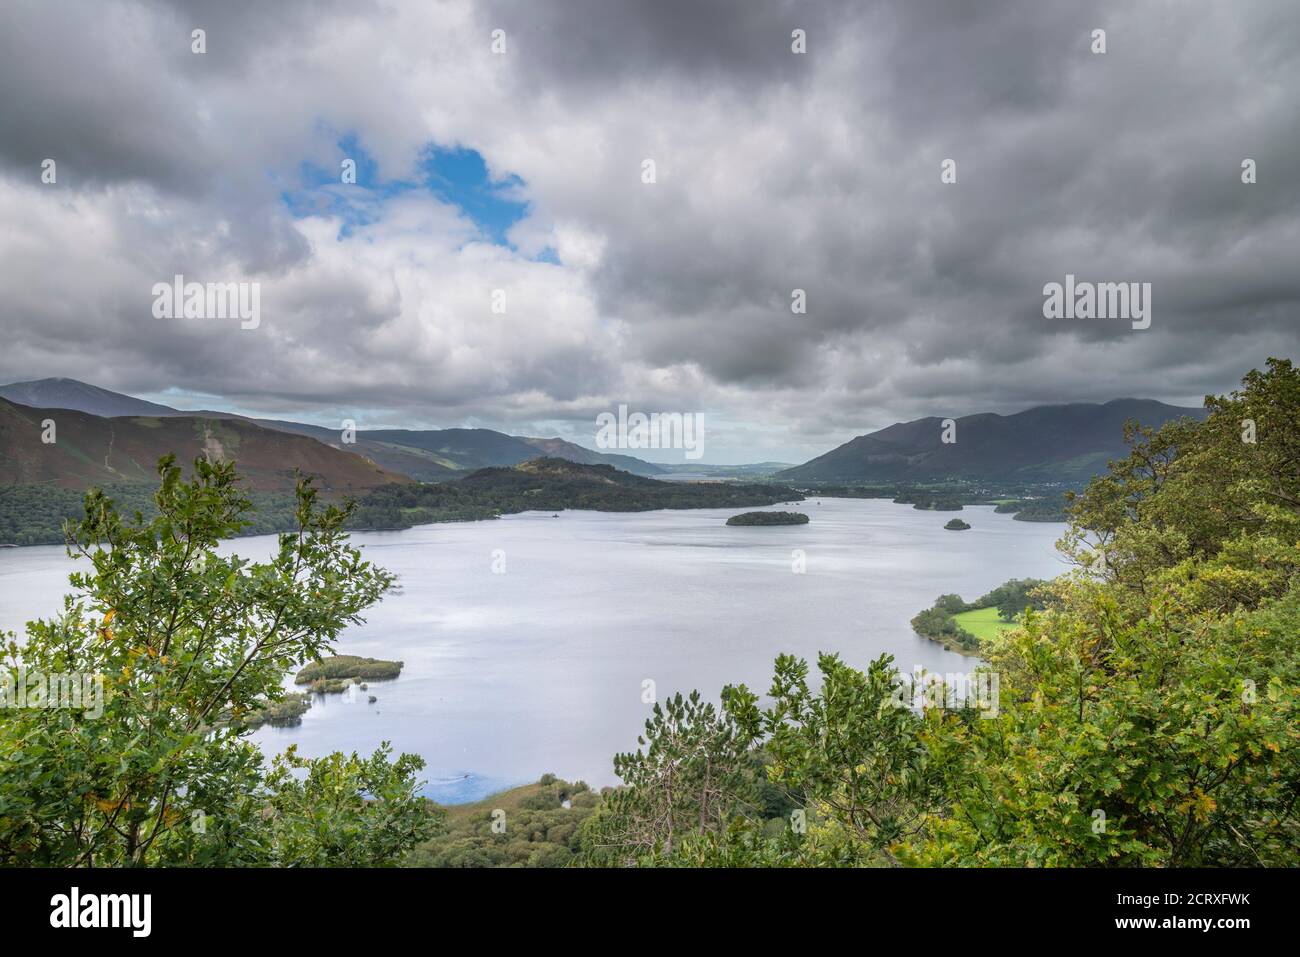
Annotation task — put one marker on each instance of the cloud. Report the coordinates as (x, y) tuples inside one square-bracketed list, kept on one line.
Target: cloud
[(775, 171)]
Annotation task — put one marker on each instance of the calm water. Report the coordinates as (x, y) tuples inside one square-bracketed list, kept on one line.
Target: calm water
[(540, 668)]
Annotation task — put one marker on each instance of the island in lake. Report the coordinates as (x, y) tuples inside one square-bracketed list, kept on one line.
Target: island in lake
[(769, 518), (335, 674), (957, 525)]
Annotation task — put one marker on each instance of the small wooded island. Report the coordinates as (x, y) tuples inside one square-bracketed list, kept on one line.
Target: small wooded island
[(957, 525), (769, 518), (333, 675)]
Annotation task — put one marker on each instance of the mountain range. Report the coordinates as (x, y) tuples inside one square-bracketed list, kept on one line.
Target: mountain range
[(93, 450), (429, 455), (106, 437), (1049, 443)]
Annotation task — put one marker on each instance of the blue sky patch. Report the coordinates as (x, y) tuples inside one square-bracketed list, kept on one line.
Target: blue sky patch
[(454, 175), (460, 177)]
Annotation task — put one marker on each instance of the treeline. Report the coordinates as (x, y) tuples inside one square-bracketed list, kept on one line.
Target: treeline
[(1051, 509), (550, 485), (1027, 502), (35, 514)]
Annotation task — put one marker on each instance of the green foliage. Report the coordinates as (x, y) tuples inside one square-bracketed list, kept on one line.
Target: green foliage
[(1147, 713), (550, 485), (694, 772), (1014, 597), (937, 623), (852, 748), (346, 811), (188, 643), (942, 621), (534, 829), (37, 514), (285, 713), (349, 666)]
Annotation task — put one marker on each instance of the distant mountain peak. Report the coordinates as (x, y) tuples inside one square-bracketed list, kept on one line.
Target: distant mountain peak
[(64, 393), (1060, 443)]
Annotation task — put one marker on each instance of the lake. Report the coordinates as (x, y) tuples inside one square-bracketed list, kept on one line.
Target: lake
[(539, 666)]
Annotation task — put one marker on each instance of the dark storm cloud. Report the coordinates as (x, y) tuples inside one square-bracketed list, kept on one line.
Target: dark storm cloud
[(776, 171), (1116, 167), (586, 44)]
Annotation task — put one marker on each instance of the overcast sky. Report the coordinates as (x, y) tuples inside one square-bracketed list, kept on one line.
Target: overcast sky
[(522, 171)]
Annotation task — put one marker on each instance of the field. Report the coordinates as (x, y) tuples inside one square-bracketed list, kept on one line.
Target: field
[(983, 623)]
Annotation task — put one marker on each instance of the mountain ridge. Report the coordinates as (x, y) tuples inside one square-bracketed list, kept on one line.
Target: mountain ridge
[(96, 450), (426, 455), (1066, 442)]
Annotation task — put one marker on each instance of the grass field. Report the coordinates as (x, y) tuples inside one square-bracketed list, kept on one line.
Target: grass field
[(983, 623)]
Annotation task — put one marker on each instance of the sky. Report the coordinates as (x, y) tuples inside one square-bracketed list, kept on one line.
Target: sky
[(500, 147)]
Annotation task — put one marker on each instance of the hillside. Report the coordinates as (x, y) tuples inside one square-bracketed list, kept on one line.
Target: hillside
[(560, 449), (544, 818), (1056, 443), (79, 396), (551, 485), (92, 450), (419, 464), (436, 455), (427, 455)]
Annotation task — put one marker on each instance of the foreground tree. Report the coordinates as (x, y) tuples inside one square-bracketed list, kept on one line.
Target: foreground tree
[(1152, 713), (693, 772), (184, 643)]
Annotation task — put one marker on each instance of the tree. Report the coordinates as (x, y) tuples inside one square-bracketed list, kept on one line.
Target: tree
[(1011, 598), (696, 771), (854, 748), (183, 642)]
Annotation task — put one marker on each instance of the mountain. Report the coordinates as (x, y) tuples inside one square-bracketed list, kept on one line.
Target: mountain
[(1050, 443), (560, 449), (427, 455), (460, 448), (81, 396), (435, 455), (420, 464), (93, 450)]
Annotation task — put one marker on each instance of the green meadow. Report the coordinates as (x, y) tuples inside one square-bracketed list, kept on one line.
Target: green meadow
[(983, 623)]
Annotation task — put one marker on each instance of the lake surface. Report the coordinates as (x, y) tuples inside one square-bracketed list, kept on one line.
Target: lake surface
[(540, 667)]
